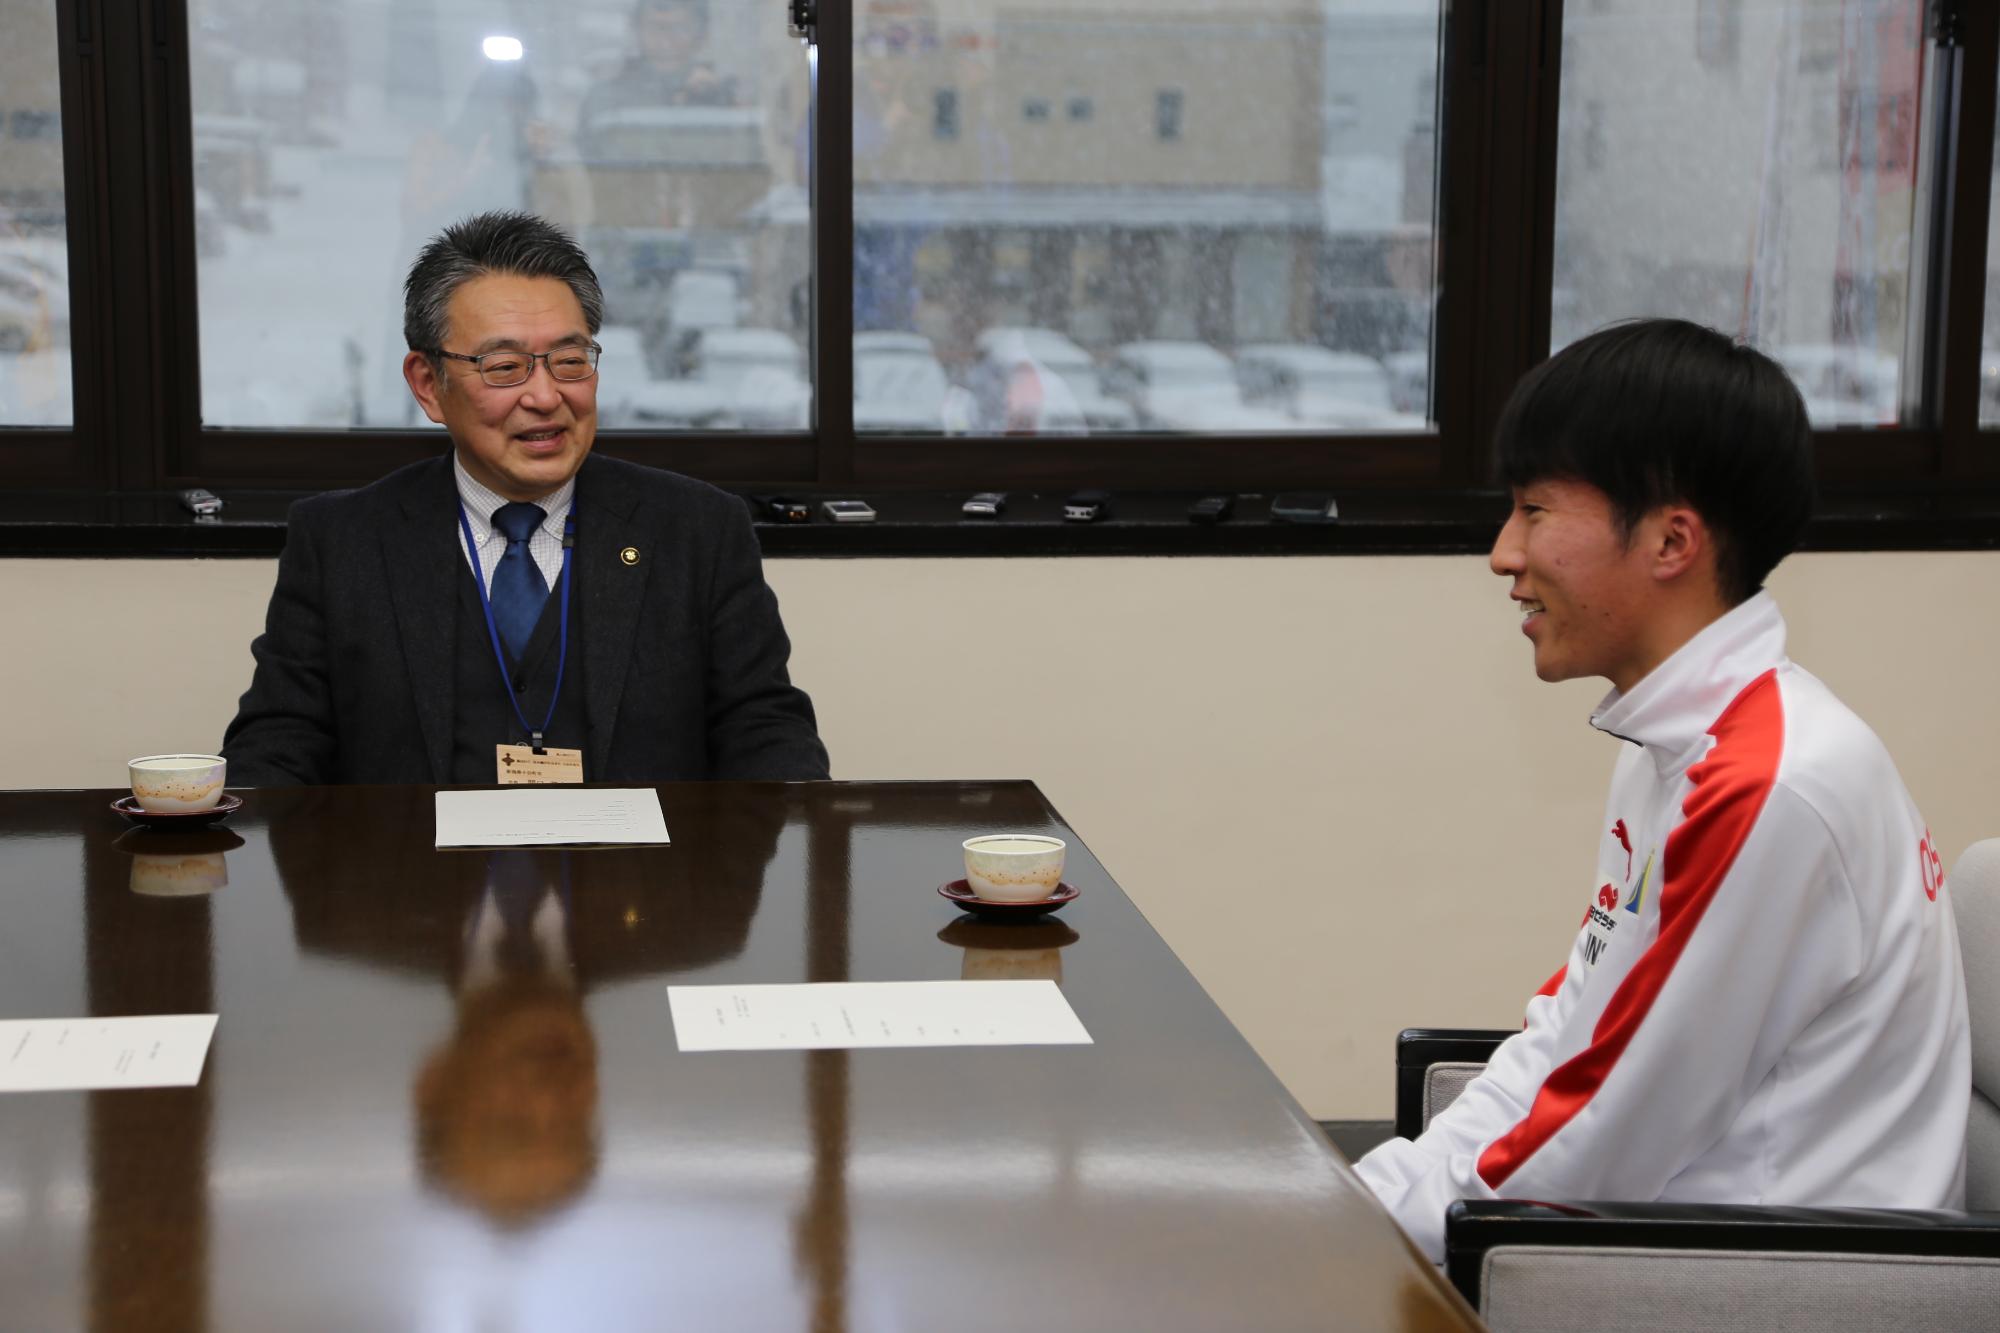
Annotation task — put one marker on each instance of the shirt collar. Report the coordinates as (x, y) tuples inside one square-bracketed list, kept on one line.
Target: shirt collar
[(1670, 711), (480, 502)]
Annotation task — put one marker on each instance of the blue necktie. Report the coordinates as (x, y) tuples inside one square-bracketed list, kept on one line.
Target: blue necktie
[(518, 589)]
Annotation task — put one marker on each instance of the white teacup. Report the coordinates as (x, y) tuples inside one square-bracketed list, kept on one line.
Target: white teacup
[(171, 783), (1014, 867)]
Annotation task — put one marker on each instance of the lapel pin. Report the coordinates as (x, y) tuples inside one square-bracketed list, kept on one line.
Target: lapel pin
[(630, 555)]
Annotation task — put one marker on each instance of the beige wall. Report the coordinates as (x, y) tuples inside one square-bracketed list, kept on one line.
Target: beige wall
[(1334, 785)]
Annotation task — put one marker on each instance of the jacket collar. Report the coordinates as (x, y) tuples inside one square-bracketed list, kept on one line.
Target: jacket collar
[(616, 552), (423, 554), (1669, 713)]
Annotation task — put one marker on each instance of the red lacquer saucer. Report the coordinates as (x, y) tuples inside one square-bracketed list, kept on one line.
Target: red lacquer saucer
[(172, 819), (959, 892)]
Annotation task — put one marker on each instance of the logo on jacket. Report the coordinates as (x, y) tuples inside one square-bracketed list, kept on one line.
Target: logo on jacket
[(1625, 841), (1598, 923), (1930, 865), (1639, 894)]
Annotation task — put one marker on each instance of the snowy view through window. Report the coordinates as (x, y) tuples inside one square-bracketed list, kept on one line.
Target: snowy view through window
[(1071, 216), (34, 257), (1751, 165), (1036, 249), (333, 137)]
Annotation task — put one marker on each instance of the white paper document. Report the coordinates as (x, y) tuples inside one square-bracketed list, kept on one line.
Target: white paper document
[(873, 1013), (64, 1054), (549, 817)]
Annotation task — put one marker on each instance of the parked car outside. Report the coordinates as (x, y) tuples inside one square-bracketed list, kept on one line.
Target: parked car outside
[(1186, 386), (679, 405), (647, 398), (34, 295), (1319, 387), (898, 383), (621, 373), (760, 373), (1410, 380), (23, 320), (694, 298), (1844, 385), (1060, 377)]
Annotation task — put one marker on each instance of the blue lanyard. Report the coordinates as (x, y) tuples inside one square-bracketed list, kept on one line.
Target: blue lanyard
[(493, 631)]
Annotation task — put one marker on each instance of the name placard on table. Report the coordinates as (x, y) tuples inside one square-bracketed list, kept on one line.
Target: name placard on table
[(856, 1014), (81, 1054), (550, 817)]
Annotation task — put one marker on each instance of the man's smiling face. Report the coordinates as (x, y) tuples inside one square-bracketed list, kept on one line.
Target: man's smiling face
[(524, 441), (1581, 583)]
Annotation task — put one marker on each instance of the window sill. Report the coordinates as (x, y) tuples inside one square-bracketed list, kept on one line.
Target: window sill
[(929, 525)]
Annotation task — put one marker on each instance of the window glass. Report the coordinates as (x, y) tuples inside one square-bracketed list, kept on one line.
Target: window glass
[(1089, 216), (1989, 351), (1750, 164), (34, 252), (333, 137)]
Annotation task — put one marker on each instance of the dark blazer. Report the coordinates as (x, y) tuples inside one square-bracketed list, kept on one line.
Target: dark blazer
[(683, 652)]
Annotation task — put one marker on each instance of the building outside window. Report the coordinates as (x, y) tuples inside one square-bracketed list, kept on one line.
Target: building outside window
[(34, 250), (1268, 267)]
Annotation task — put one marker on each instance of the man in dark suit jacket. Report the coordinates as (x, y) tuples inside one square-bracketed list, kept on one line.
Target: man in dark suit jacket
[(617, 610)]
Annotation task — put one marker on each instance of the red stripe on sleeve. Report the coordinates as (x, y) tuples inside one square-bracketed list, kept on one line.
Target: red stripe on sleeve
[(1729, 788), (1554, 983)]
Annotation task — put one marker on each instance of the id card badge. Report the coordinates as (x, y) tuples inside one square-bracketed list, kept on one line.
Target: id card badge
[(519, 764)]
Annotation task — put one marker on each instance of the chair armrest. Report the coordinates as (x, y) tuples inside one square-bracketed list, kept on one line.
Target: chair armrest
[(1476, 1228), (1417, 1049)]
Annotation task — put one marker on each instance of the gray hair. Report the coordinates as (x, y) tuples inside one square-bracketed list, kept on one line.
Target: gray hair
[(500, 242)]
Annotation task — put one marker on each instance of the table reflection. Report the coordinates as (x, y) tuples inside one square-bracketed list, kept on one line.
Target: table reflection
[(823, 1223), (351, 890), (149, 1212), (994, 951), (506, 1109), (178, 865)]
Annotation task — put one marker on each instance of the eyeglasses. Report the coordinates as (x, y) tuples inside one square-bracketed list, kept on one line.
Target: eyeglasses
[(504, 370)]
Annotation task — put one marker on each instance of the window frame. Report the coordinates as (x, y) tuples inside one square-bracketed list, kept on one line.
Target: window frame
[(128, 137)]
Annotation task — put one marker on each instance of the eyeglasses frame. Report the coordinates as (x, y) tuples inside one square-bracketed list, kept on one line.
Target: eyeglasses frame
[(596, 350)]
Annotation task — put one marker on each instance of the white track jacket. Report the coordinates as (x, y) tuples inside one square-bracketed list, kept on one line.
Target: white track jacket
[(1764, 1003)]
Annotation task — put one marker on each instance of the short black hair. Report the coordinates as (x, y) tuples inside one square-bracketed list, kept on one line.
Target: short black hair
[(499, 242), (1664, 411)]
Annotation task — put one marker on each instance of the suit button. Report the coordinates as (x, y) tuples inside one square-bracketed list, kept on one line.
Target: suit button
[(520, 687)]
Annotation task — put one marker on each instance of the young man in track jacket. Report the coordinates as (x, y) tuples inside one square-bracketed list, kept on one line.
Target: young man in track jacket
[(1764, 1003)]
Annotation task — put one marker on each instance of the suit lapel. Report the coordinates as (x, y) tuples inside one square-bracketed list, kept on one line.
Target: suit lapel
[(423, 555), (610, 520)]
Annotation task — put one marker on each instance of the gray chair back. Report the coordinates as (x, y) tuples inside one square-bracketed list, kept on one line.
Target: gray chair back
[(1443, 1082), (1975, 902)]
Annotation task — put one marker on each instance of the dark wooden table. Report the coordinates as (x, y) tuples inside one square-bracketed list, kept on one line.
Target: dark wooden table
[(444, 1093)]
